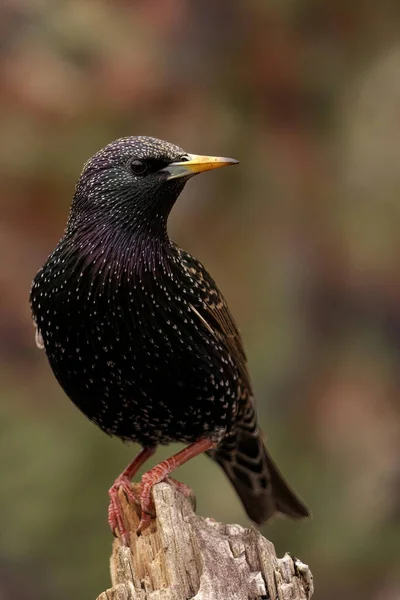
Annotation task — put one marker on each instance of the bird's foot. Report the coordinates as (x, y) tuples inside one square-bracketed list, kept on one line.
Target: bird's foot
[(115, 511), (149, 480), (161, 472), (145, 502), (157, 474)]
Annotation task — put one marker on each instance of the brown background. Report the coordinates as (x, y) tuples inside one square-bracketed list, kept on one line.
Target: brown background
[(302, 238)]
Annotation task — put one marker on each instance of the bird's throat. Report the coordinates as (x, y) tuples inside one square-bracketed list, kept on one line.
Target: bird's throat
[(112, 249)]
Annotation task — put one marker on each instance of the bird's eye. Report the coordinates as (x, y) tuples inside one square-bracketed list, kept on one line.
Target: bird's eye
[(138, 167)]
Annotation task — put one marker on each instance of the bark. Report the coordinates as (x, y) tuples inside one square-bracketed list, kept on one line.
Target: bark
[(182, 556)]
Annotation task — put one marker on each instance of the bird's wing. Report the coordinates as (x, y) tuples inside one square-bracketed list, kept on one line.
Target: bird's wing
[(212, 310)]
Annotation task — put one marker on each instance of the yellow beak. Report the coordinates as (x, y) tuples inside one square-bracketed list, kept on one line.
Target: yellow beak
[(197, 164)]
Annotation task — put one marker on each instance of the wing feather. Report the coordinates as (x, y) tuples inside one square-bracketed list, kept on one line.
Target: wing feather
[(212, 310)]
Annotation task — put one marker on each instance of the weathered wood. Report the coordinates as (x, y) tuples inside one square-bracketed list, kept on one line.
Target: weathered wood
[(182, 556)]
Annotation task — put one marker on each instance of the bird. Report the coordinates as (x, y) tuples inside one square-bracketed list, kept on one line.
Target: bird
[(141, 339)]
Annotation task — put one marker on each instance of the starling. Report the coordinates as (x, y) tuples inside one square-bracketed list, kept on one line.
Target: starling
[(139, 336)]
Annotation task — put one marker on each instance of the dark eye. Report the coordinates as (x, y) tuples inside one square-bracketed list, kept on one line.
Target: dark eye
[(138, 167)]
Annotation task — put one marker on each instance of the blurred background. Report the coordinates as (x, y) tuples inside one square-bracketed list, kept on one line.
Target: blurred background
[(302, 238)]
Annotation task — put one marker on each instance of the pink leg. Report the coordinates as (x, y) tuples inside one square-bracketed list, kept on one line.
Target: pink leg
[(115, 518), (161, 472)]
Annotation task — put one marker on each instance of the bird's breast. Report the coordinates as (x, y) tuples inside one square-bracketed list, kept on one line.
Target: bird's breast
[(130, 352)]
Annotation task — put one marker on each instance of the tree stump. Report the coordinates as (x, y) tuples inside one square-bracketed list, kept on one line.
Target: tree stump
[(182, 556)]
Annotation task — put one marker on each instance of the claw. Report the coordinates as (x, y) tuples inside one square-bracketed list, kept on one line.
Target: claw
[(144, 523), (146, 501), (158, 473), (115, 511)]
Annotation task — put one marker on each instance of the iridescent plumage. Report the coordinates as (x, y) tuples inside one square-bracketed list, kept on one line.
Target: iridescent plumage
[(137, 332)]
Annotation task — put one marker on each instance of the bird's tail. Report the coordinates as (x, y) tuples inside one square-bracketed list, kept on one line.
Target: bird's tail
[(254, 475)]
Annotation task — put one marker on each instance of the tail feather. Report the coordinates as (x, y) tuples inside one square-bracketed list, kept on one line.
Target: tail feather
[(255, 476), (286, 500)]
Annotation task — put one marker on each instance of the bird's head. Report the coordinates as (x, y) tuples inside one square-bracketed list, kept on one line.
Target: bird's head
[(136, 180)]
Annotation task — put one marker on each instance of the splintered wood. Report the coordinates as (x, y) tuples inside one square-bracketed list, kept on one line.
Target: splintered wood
[(182, 556)]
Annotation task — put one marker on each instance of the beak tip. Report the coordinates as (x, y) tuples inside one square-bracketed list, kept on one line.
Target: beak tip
[(227, 162), (197, 164)]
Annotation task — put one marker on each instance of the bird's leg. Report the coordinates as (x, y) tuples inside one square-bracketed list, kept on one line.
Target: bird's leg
[(161, 472), (115, 515)]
